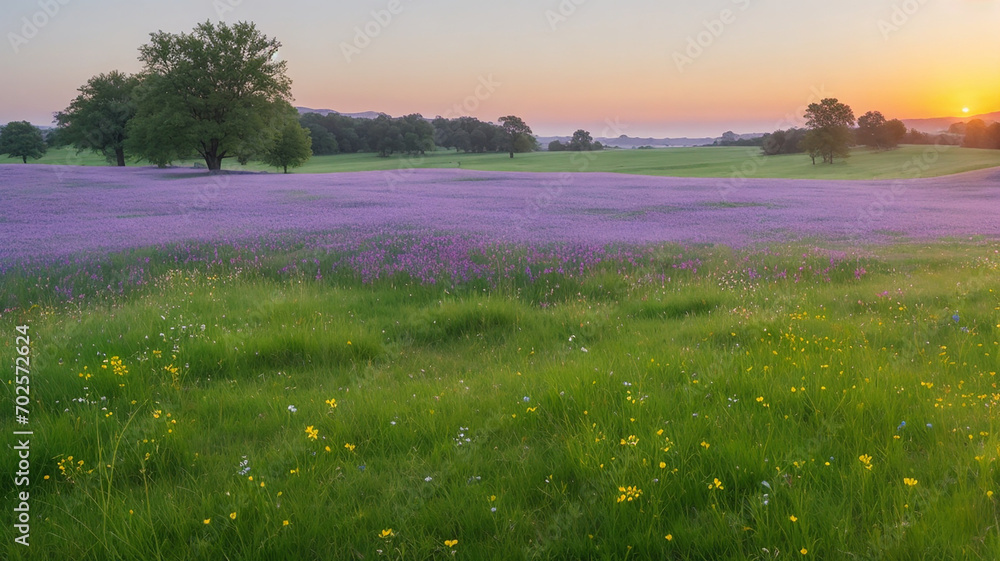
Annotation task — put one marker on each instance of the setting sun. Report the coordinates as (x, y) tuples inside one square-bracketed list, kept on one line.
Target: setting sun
[(965, 110)]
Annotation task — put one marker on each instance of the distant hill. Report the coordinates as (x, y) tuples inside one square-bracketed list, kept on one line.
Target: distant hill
[(324, 112), (941, 124)]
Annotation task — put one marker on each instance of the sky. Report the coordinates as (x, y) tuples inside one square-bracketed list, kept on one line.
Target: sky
[(637, 67)]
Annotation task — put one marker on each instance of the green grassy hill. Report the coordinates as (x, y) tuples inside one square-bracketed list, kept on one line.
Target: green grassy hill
[(905, 162), (231, 412)]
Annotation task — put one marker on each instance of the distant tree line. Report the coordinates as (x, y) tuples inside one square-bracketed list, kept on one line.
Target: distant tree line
[(831, 133), (977, 134), (729, 138), (916, 137), (468, 134), (783, 142), (412, 135), (384, 135)]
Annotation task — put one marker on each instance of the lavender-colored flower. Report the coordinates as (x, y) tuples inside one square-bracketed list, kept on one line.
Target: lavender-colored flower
[(62, 211)]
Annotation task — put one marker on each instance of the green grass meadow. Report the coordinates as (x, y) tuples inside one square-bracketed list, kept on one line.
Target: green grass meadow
[(904, 162), (837, 412)]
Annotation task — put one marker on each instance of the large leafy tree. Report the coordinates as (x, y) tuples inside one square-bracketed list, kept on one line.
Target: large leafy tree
[(517, 134), (291, 148), (829, 133), (21, 139), (220, 91), (97, 119)]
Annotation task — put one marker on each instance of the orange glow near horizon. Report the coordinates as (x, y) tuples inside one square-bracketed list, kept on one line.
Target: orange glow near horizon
[(605, 63)]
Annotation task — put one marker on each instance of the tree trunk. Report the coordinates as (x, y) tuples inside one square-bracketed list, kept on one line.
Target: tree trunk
[(286, 169), (511, 153), (120, 155), (213, 161), (24, 159)]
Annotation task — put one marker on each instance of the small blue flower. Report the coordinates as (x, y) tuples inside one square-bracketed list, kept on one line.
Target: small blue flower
[(929, 425), (527, 399), (901, 425), (955, 317)]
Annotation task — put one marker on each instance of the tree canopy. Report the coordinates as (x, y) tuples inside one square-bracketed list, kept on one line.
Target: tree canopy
[(469, 134), (518, 134), (291, 148), (21, 139), (581, 141), (893, 132), (220, 91), (783, 142), (829, 135), (876, 132), (410, 134), (870, 129), (97, 119), (975, 134)]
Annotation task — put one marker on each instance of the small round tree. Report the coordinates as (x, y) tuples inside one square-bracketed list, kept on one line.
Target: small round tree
[(21, 139), (292, 147)]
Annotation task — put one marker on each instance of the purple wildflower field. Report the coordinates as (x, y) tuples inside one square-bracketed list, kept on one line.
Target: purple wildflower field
[(55, 211)]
